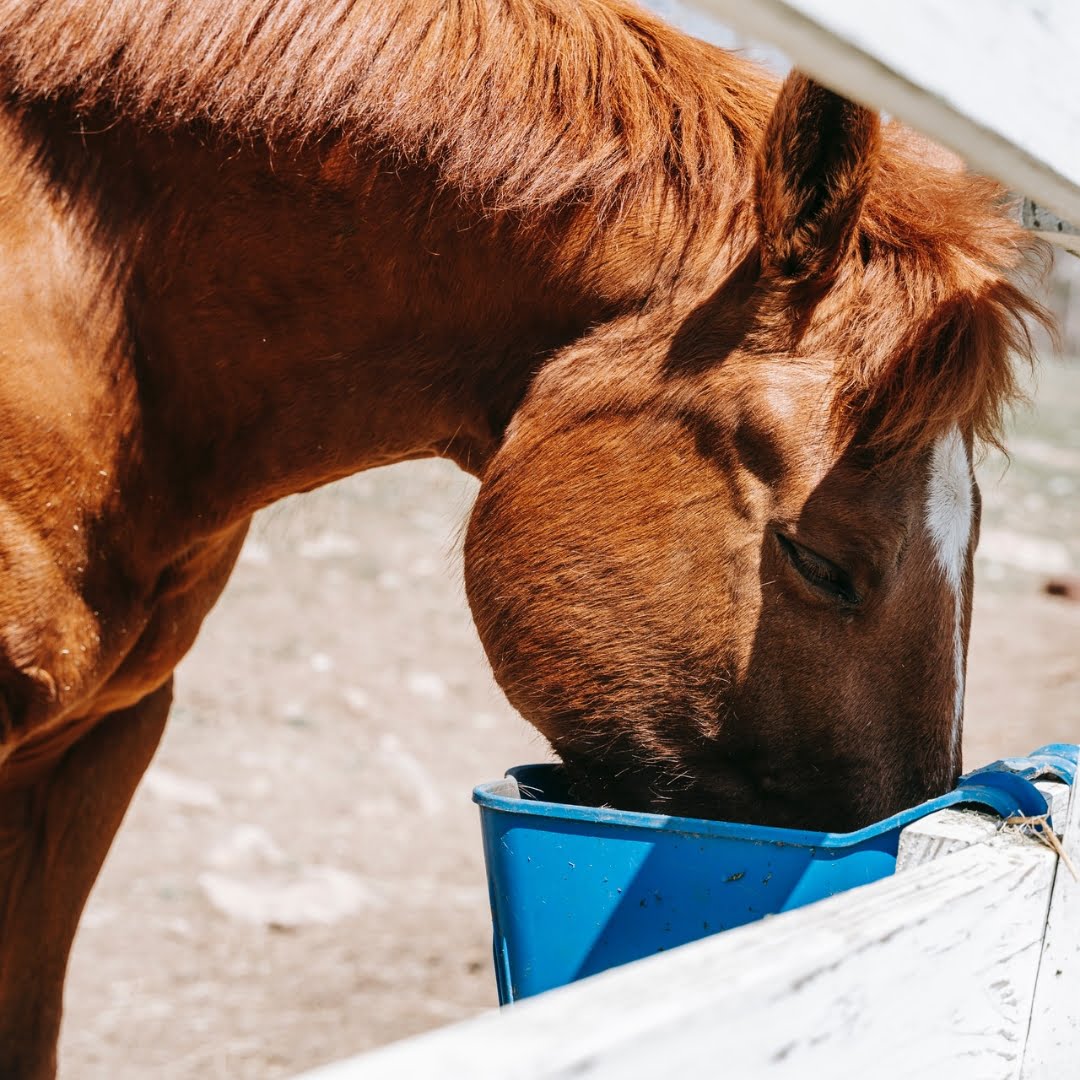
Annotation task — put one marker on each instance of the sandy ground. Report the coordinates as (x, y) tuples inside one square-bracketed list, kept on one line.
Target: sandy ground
[(329, 727)]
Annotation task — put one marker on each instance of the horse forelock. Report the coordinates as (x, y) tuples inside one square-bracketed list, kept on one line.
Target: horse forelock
[(933, 327)]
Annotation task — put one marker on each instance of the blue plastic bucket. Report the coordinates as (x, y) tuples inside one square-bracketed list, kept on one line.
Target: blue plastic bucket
[(575, 890)]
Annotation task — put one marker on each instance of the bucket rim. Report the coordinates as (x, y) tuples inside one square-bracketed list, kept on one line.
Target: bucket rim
[(982, 791)]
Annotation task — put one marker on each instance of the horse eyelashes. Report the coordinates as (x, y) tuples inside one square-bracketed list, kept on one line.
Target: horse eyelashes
[(819, 571)]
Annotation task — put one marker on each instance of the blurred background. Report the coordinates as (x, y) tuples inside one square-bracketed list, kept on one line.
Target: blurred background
[(300, 875)]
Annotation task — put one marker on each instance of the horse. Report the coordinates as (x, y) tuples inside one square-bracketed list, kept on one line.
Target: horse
[(720, 350)]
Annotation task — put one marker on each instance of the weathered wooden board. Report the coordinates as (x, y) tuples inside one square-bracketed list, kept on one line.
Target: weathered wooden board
[(947, 831), (1049, 226), (1053, 1043), (995, 80), (929, 973), (942, 834)]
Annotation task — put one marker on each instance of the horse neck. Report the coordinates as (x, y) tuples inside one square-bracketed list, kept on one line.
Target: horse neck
[(292, 318), (296, 319)]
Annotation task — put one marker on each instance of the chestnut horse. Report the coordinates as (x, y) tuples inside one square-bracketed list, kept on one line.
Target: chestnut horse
[(720, 352)]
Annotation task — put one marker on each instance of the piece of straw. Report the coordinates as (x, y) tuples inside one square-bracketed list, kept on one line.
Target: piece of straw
[(1040, 828)]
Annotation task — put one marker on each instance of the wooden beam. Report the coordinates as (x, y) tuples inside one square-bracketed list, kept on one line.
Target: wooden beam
[(941, 834), (1049, 226), (928, 973), (995, 80)]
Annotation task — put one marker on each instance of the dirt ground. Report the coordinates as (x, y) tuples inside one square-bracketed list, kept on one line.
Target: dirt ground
[(300, 876)]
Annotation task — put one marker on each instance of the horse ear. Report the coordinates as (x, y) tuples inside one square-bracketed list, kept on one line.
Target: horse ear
[(814, 167)]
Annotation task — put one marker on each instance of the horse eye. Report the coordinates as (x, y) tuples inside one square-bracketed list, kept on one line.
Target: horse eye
[(818, 571)]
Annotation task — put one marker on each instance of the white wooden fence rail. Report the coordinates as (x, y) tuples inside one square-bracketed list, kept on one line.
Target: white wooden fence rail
[(966, 964)]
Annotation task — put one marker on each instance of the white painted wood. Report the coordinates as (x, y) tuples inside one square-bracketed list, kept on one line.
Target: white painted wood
[(928, 973), (1035, 217), (1049, 226), (952, 830), (941, 834), (1057, 797), (1053, 1043), (995, 80)]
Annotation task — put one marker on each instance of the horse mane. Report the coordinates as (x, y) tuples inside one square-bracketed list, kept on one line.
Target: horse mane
[(530, 106), (527, 103)]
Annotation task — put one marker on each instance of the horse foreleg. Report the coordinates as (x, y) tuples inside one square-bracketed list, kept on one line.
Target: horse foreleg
[(54, 836)]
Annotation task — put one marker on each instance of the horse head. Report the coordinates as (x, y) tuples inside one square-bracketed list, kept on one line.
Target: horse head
[(723, 558)]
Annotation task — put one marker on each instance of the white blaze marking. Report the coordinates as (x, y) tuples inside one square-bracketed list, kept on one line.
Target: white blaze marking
[(948, 519)]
